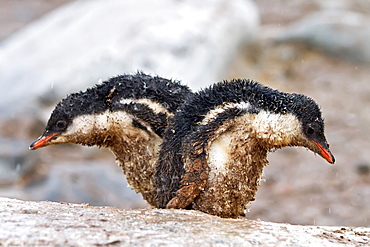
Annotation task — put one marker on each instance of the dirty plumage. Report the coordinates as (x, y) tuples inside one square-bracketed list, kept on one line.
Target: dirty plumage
[(127, 114), (216, 146)]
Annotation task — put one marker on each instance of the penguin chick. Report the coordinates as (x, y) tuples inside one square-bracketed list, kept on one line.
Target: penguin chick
[(127, 114), (216, 146)]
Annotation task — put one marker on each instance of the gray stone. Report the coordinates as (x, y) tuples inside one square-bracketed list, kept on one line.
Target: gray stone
[(78, 44), (338, 33), (64, 224), (96, 183), (16, 162)]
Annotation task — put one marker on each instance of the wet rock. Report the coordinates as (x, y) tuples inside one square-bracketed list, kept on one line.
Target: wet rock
[(338, 33), (363, 168), (16, 162), (24, 223), (96, 183), (75, 46)]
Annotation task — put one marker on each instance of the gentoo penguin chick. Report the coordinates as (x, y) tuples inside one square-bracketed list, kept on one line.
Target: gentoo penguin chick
[(127, 114), (216, 146)]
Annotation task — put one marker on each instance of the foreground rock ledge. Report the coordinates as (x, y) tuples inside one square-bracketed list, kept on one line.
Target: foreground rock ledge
[(49, 223)]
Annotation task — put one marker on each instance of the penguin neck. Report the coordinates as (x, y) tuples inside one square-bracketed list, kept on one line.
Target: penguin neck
[(251, 136), (273, 130), (136, 148)]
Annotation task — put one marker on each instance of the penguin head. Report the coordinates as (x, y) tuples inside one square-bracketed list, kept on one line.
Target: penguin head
[(126, 105), (312, 125), (70, 119)]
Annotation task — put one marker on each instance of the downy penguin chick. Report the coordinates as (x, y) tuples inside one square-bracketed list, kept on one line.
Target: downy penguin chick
[(127, 114), (216, 146)]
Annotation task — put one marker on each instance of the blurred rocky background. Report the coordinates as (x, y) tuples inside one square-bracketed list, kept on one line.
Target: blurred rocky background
[(50, 48)]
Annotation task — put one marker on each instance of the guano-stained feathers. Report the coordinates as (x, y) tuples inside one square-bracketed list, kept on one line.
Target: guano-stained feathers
[(216, 146), (127, 114)]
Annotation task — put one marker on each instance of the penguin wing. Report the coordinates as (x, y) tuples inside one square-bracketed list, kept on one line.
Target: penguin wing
[(195, 155)]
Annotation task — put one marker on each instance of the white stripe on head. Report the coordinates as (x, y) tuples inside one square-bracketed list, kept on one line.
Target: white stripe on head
[(154, 106), (212, 114)]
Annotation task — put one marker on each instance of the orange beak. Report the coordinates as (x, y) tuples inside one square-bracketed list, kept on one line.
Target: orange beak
[(42, 141), (325, 153)]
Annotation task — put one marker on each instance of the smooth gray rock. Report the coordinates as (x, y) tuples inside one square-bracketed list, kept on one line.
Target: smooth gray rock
[(78, 44), (64, 224), (339, 33), (96, 183), (16, 161)]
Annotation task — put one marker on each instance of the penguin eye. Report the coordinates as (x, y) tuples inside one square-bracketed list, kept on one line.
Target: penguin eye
[(310, 131), (61, 124)]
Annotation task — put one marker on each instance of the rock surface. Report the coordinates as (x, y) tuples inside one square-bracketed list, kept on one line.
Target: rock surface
[(84, 41), (49, 223), (338, 33), (15, 161), (16, 14), (99, 183)]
